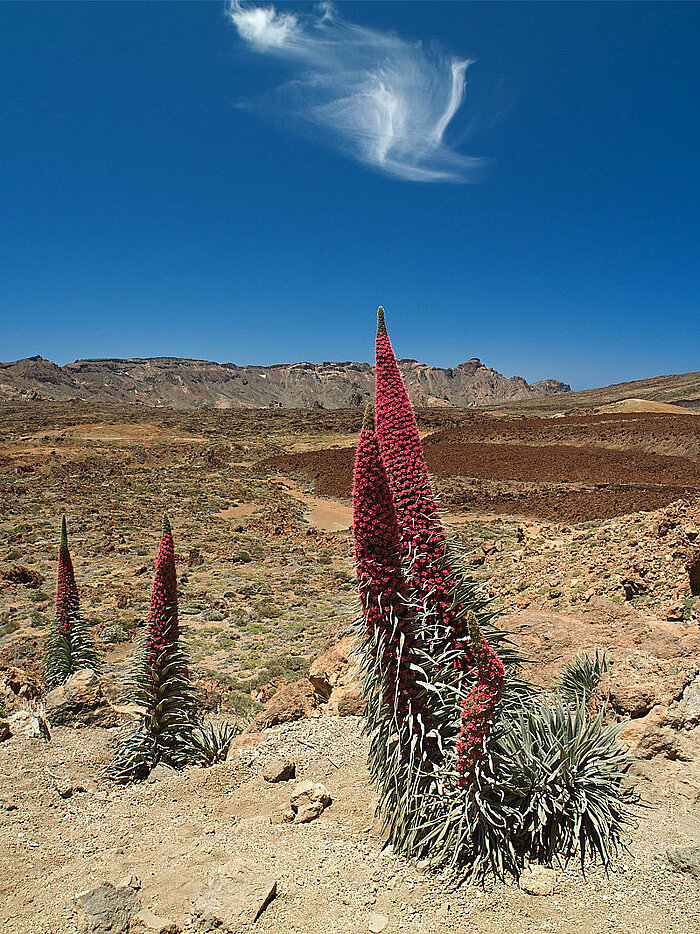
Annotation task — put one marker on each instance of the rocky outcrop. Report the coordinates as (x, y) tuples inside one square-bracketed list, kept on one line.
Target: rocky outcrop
[(80, 702), (191, 384), (335, 678)]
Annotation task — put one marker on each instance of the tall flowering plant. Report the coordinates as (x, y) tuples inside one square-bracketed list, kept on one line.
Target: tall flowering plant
[(462, 753), (161, 687), (70, 646)]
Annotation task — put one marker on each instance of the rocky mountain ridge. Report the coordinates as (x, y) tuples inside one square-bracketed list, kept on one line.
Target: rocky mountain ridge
[(192, 384)]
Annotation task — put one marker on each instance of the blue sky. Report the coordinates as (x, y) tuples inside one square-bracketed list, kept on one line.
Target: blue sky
[(246, 184)]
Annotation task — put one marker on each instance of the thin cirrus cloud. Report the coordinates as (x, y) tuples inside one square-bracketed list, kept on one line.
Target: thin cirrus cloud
[(379, 98)]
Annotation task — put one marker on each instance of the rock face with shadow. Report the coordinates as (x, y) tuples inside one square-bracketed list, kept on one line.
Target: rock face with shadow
[(190, 384)]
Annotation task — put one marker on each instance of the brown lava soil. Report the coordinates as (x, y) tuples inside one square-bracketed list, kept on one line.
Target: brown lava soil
[(572, 469)]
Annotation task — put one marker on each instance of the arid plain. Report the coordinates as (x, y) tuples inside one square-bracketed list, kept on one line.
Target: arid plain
[(583, 528)]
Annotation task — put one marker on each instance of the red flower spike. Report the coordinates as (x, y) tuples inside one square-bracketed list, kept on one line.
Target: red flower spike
[(422, 533), (380, 579), (162, 630), (67, 600), (375, 528), (479, 706), (425, 548)]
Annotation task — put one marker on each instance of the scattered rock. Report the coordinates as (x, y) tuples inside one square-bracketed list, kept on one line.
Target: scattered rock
[(308, 812), (145, 922), (107, 909), (236, 894), (377, 923), (685, 859), (31, 724), (5, 731), (295, 701), (307, 791), (279, 770), (538, 880), (307, 802), (288, 815), (20, 574), (80, 702)]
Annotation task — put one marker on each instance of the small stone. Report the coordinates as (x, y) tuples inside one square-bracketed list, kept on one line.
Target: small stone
[(288, 815), (64, 787), (5, 731), (377, 923), (145, 922), (685, 859), (237, 893), (279, 770), (538, 880), (301, 793), (308, 812), (106, 909)]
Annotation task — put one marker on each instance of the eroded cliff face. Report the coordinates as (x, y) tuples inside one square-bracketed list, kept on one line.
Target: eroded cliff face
[(191, 384)]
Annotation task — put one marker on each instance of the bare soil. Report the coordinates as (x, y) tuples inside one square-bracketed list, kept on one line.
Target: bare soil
[(331, 874), (571, 469)]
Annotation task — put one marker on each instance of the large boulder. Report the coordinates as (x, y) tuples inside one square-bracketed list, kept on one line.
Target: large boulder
[(80, 702), (335, 677)]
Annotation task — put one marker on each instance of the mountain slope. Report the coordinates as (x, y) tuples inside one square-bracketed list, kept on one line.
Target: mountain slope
[(679, 389), (191, 384)]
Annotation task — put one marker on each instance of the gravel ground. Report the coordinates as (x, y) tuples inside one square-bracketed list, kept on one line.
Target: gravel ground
[(332, 874)]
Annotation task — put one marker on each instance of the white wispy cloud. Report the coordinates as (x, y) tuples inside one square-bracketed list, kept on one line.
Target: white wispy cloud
[(380, 98)]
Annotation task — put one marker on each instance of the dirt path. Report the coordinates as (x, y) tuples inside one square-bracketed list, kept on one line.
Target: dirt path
[(325, 514)]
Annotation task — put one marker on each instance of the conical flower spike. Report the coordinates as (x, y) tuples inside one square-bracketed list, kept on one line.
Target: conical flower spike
[(396, 715), (162, 630), (383, 592), (67, 600), (70, 646), (162, 686)]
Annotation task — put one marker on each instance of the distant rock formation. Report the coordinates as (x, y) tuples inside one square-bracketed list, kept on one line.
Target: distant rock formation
[(192, 384)]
